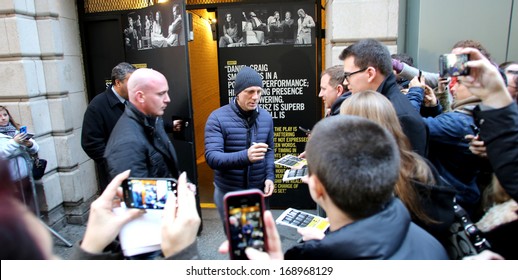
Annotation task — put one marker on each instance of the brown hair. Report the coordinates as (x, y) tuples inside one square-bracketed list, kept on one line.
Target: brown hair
[(16, 240), (473, 44), (376, 107), (494, 194), (11, 120)]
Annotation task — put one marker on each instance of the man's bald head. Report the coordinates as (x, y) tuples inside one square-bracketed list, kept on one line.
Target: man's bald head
[(148, 91)]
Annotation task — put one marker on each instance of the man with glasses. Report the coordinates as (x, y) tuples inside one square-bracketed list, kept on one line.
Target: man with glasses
[(139, 141), (239, 141), (368, 66)]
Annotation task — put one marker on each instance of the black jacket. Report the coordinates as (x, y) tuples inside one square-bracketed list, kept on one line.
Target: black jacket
[(499, 131), (411, 122), (100, 117), (389, 234), (140, 143), (335, 108)]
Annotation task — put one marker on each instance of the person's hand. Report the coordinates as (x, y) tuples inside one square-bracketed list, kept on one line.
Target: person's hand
[(104, 225), (310, 233), (177, 125), (442, 85), (21, 139), (303, 155), (257, 151), (269, 186), (476, 146), (274, 250), (430, 99), (415, 83), (181, 221), (484, 80), (485, 255)]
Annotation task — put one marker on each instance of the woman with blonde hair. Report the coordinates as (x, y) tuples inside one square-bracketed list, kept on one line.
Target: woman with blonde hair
[(431, 206)]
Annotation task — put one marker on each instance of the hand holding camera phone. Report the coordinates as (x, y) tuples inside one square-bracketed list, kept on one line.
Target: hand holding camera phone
[(453, 65), (23, 130), (147, 193), (244, 222)]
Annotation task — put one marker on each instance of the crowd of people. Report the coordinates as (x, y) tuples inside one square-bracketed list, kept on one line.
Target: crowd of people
[(390, 164)]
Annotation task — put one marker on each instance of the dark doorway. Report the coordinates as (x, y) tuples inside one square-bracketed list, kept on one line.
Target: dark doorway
[(102, 50)]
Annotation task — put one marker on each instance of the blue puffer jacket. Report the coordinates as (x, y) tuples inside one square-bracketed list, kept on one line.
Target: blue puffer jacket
[(227, 139)]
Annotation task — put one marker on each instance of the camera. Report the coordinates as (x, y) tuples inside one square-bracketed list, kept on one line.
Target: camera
[(452, 65), (147, 193), (475, 235)]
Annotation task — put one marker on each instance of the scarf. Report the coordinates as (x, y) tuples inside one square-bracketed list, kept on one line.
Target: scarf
[(466, 106), (9, 129)]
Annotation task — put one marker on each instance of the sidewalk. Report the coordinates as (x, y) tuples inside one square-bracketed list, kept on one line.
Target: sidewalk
[(208, 242)]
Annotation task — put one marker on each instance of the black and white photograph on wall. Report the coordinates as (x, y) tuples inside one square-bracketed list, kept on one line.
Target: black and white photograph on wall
[(286, 24), (278, 40), (231, 35), (305, 27), (154, 27)]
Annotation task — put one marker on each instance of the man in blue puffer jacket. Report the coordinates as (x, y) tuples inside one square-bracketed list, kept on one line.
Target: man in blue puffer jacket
[(239, 141)]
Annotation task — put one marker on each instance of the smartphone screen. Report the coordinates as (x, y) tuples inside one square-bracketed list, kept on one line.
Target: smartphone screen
[(244, 222), (147, 193), (452, 65), (23, 129)]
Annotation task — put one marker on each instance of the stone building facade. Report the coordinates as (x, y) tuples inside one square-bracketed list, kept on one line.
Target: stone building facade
[(42, 82)]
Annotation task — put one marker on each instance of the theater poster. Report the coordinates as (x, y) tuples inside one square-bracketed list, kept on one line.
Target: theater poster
[(155, 37), (279, 41)]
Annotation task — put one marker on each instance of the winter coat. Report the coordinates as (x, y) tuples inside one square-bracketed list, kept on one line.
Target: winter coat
[(227, 139), (389, 234)]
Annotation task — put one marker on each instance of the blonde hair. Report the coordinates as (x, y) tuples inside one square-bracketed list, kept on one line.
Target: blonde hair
[(494, 194), (376, 107)]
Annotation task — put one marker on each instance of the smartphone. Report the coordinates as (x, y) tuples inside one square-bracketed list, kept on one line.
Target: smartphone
[(23, 129), (452, 65), (244, 222), (147, 193), (28, 136)]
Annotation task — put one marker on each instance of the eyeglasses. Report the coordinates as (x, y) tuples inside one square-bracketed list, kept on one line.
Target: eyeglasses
[(347, 75)]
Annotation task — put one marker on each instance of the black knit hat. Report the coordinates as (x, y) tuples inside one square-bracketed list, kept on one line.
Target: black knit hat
[(247, 77)]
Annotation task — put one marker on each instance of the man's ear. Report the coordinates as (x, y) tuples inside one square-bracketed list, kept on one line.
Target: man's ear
[(117, 83), (341, 89), (373, 73), (139, 95), (317, 186)]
